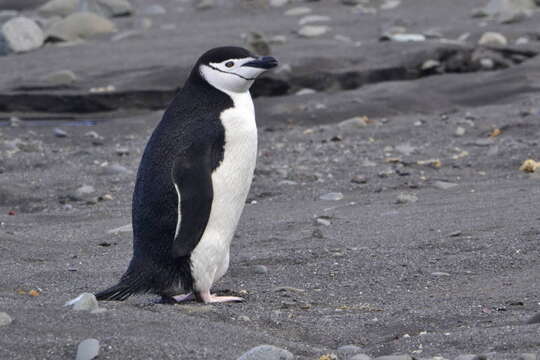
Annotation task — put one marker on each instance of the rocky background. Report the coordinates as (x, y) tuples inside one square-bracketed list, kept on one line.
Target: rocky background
[(394, 211)]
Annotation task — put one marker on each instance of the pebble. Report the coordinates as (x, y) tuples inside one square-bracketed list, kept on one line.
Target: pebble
[(440, 273), (80, 25), (278, 3), (60, 78), (306, 91), (88, 349), (205, 4), (493, 38), (430, 65), (353, 123), (535, 319), (84, 302), (115, 169), (404, 37), (58, 8), (347, 351), (5, 319), (298, 11), (487, 63), (244, 318), (309, 19), (527, 356), (390, 4), (154, 10), (22, 34), (267, 352), (311, 31), (260, 269), (395, 357), (114, 8), (325, 221), (471, 357), (360, 357), (359, 179), (404, 198), (332, 196), (59, 133), (444, 185), (405, 149), (460, 131)]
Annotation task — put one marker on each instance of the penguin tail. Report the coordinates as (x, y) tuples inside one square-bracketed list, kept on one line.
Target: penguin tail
[(120, 292)]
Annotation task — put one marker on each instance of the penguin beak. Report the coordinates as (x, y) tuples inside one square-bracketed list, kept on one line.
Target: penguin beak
[(264, 62)]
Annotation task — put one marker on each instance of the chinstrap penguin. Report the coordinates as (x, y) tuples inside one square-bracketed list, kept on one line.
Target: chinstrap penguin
[(193, 181)]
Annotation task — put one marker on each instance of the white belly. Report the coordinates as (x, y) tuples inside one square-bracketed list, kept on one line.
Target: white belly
[(231, 182)]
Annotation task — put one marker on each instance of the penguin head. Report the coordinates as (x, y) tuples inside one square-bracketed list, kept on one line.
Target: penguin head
[(232, 69)]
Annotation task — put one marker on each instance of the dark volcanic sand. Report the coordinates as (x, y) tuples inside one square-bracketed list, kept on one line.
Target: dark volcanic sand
[(454, 272)]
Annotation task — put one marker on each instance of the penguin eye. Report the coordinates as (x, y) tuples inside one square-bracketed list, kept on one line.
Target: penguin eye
[(229, 64)]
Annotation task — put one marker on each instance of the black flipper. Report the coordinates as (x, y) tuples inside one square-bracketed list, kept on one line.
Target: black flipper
[(192, 174)]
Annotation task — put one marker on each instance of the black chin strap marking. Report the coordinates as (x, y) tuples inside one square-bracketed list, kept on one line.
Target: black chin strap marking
[(231, 73)]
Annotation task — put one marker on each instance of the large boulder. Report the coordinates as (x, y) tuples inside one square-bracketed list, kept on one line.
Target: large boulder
[(80, 25), (21, 34), (59, 8)]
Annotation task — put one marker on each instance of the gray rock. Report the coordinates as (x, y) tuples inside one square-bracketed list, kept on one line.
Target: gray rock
[(58, 8), (460, 131), (360, 357), (404, 198), (80, 25), (444, 185), (440, 273), (395, 357), (311, 31), (22, 34), (406, 37), (244, 318), (323, 220), (114, 8), (5, 319), (115, 169), (353, 123), (332, 196), (84, 302), (509, 10), (430, 65), (309, 19), (471, 357), (260, 269), (88, 349), (60, 133), (205, 4), (278, 3), (493, 38), (82, 193), (306, 91), (527, 356), (60, 78), (267, 352), (154, 10), (345, 352), (359, 179), (535, 319), (405, 148), (298, 11)]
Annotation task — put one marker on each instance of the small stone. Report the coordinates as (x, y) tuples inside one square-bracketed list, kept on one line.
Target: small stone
[(444, 185), (114, 8), (440, 273), (5, 319), (122, 151), (244, 318), (386, 172), (260, 269), (278, 3), (430, 64), (395, 357), (332, 196), (347, 351), (309, 19), (527, 356), (535, 319), (310, 31), (487, 63), (360, 357), (359, 179), (493, 38), (406, 148), (267, 352), (298, 11), (82, 193), (471, 357), (154, 10), (22, 34), (406, 37), (106, 197), (60, 133), (205, 4), (306, 91), (58, 8), (529, 166), (460, 131), (80, 25), (522, 40), (60, 78), (88, 349), (84, 302), (405, 198), (323, 220), (354, 123)]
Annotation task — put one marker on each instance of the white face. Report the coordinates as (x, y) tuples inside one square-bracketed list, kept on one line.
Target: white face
[(230, 75)]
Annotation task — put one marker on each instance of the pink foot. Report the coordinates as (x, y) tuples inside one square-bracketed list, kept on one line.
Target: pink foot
[(208, 298)]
